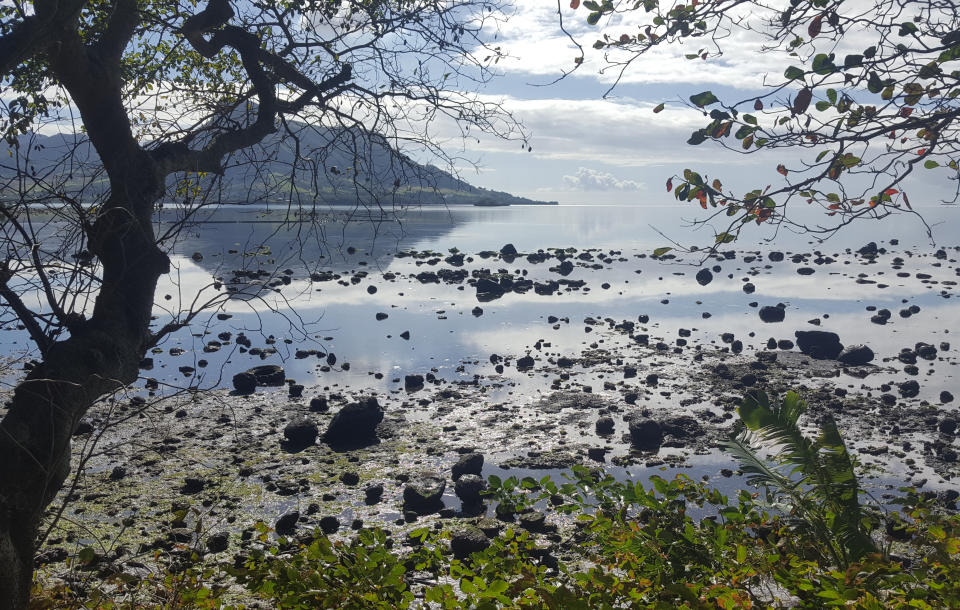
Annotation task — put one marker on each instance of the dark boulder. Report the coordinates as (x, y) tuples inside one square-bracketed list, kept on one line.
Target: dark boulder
[(245, 383), (413, 383), (268, 374), (468, 540), (373, 493), (468, 488), (355, 424), (819, 344), (605, 426), (488, 290), (771, 314), (704, 277), (909, 389), (301, 433), (525, 363), (286, 525), (218, 542), (856, 355), (423, 494), (471, 463), (645, 434), (508, 251)]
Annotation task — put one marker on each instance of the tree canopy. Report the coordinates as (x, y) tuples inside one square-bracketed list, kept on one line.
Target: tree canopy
[(868, 97)]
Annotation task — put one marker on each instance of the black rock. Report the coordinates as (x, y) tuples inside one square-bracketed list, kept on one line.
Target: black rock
[(468, 488), (533, 521), (329, 525), (704, 277), (245, 383), (819, 344), (525, 363), (319, 404), (373, 493), (870, 250), (946, 396), (771, 314), (295, 390), (381, 316), (286, 525), (856, 355), (471, 463), (488, 290), (605, 425), (218, 542), (749, 288), (947, 425), (350, 478), (355, 424), (909, 389), (423, 494), (413, 383), (192, 485), (268, 375), (477, 312), (508, 251), (468, 540), (301, 432), (775, 256), (645, 434)]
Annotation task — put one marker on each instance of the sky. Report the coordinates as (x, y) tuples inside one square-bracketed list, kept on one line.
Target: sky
[(592, 148)]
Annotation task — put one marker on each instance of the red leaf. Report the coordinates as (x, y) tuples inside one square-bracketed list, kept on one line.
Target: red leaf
[(624, 38), (814, 28), (922, 151), (905, 112), (669, 184), (758, 105), (781, 169), (574, 4), (907, 201), (891, 192)]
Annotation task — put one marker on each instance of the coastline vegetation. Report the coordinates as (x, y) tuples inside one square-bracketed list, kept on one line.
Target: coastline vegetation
[(804, 536)]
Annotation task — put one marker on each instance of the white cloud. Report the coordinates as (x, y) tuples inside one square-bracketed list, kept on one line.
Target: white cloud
[(587, 179)]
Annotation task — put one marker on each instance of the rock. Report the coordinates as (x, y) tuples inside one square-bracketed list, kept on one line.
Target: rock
[(856, 355), (468, 488), (605, 426), (926, 351), (525, 363), (749, 288), (355, 424), (775, 256), (533, 522), (909, 389), (413, 383), (118, 472), (381, 316), (350, 478), (468, 540), (423, 494), (218, 542), (598, 454), (329, 525), (373, 493), (819, 344), (771, 314), (192, 485), (319, 404), (295, 390), (488, 290), (947, 425), (946, 396), (245, 383), (268, 374), (477, 312), (471, 463), (301, 432), (286, 525), (704, 277), (645, 434), (508, 251), (869, 250)]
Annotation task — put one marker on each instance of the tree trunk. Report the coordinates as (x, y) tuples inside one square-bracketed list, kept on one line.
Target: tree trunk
[(101, 355)]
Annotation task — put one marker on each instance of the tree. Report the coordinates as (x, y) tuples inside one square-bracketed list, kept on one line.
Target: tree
[(868, 98), (156, 101)]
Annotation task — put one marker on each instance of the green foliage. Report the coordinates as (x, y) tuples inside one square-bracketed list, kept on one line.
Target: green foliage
[(870, 118)]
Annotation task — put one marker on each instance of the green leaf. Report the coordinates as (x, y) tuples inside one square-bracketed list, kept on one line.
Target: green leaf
[(930, 164), (749, 118), (907, 28), (832, 95), (593, 18), (725, 238), (704, 98), (661, 251), (697, 137), (659, 108), (793, 73), (822, 105)]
